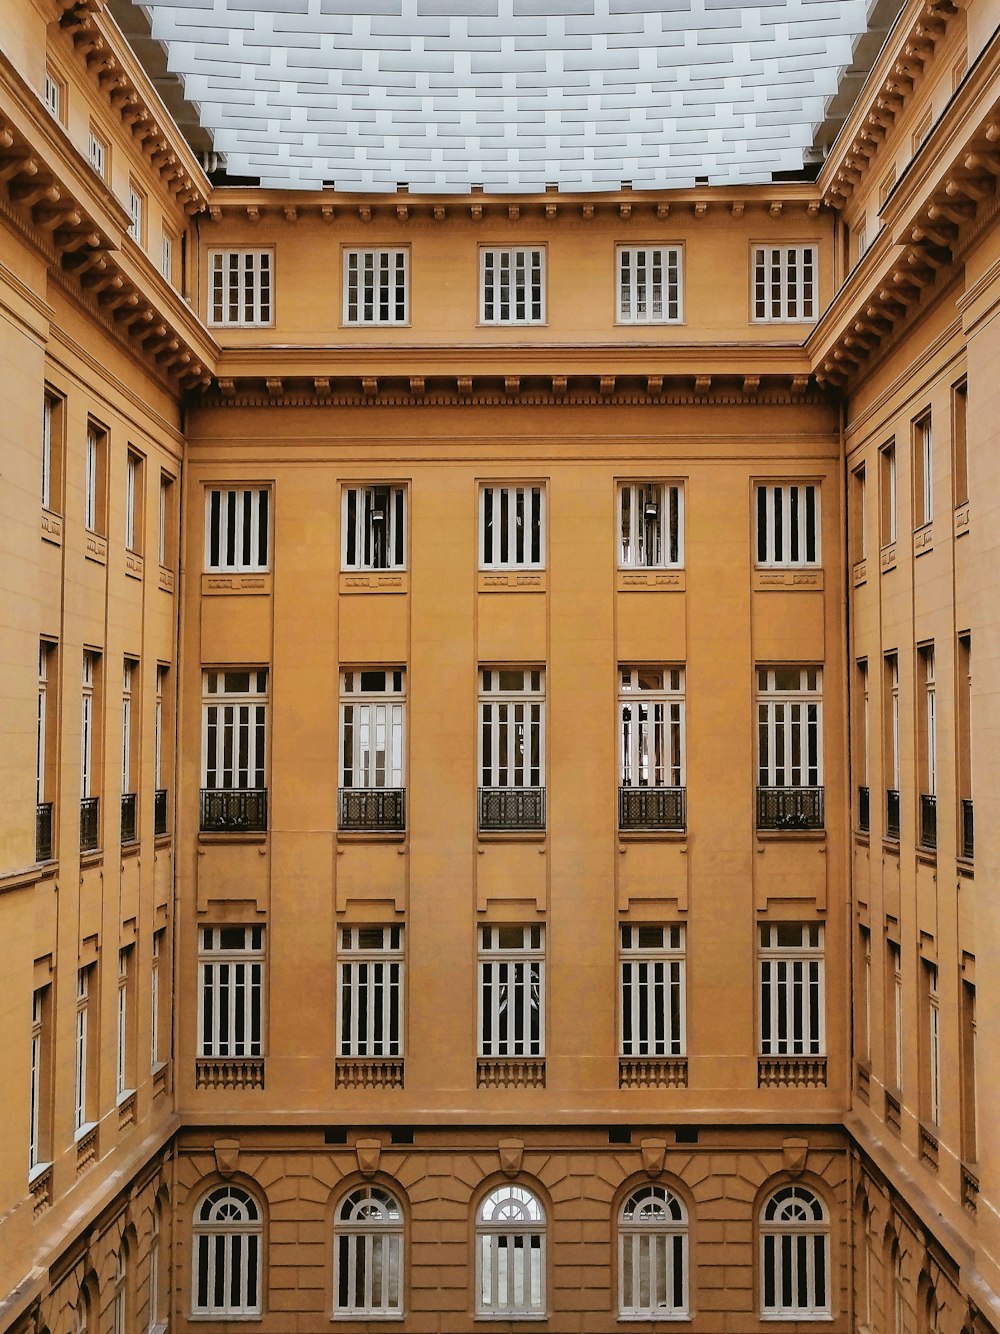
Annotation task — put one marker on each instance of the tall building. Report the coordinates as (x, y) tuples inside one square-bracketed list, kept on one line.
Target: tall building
[(509, 680)]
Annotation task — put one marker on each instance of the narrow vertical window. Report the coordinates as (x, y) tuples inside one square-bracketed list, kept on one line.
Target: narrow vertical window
[(923, 471), (651, 792), (864, 989), (234, 746), (511, 527), (53, 95), (512, 286), (84, 1092), (134, 495), (130, 750), (651, 966), (165, 530), (52, 453), (511, 991), (136, 213), (512, 748), (960, 441), (236, 529), (124, 1077), (650, 525), (963, 699), (927, 746), (371, 993), (894, 978), (649, 285), (372, 734), (859, 545), (90, 749), (376, 286), (40, 1088), (45, 737), (788, 524), (94, 489), (231, 992), (887, 494), (967, 1058), (167, 257), (861, 746), (155, 998), (97, 151), (932, 1044), (784, 283), (374, 527), (368, 1255), (890, 758), (160, 767), (789, 748), (240, 288), (791, 990)]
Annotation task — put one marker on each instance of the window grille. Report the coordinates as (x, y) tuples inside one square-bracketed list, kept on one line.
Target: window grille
[(651, 726), (513, 286), (231, 992), (227, 1240), (240, 287), (510, 1254), (372, 732), (235, 731), (371, 992), (376, 286), (788, 525), (795, 1255), (374, 528), (649, 285), (512, 737), (652, 995), (652, 1255), (368, 1255), (511, 527), (789, 717), (236, 529), (784, 283), (791, 990), (511, 991), (651, 525)]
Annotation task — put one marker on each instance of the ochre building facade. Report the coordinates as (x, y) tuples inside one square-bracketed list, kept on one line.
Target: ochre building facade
[(509, 691)]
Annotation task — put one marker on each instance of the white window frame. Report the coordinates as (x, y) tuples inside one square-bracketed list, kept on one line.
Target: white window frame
[(237, 529), (241, 289), (373, 526), (926, 653), (44, 653), (512, 285), (97, 154), (512, 517), (893, 660), (91, 464), (789, 728), (788, 525), (512, 727), (154, 1001), (896, 961), (889, 454), (792, 990), (161, 674), (35, 1085), (91, 664), (53, 95), (654, 512), (167, 256), (236, 1214), (924, 446), (133, 499), (934, 1045), (784, 284), (371, 993), (48, 412), (122, 1086), (511, 990), (368, 1278), (136, 213), (165, 516), (231, 993), (373, 728), (651, 727), (789, 1245), (81, 1124), (650, 284), (510, 1222), (234, 730), (652, 1255), (376, 285), (129, 672), (652, 1022)]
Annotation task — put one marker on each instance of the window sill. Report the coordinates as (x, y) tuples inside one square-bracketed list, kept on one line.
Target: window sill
[(165, 579), (134, 565), (163, 840), (371, 835), (37, 1172), (512, 836), (131, 848), (887, 557), (97, 548), (654, 1317), (220, 1317), (92, 858), (208, 836), (51, 527), (790, 835), (859, 572), (374, 581), (511, 1316), (253, 582), (798, 1316), (367, 1317), (666, 580), (86, 1129), (962, 519), (788, 578), (652, 836), (530, 579), (923, 539)]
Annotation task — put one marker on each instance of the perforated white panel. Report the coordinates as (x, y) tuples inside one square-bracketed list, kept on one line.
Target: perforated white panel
[(508, 94)]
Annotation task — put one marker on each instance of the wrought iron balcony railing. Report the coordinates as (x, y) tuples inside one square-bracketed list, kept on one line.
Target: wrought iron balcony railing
[(371, 809), (234, 810), (90, 810), (160, 811), (968, 839), (129, 806), (891, 813), (507, 809), (43, 831), (645, 808), (789, 808), (864, 810), (928, 821)]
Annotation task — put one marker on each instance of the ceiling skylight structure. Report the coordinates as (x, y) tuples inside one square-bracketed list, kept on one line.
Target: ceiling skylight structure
[(510, 95)]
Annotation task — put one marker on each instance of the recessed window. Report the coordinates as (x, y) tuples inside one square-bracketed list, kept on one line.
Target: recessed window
[(652, 1255), (650, 525), (511, 992), (510, 1254), (85, 1052), (512, 285), (40, 1085), (231, 992), (134, 494), (371, 993), (97, 152), (374, 527), (789, 748), (95, 480), (791, 990), (136, 213), (372, 754), (234, 783), (167, 256), (53, 418), (376, 286), (368, 1255), (649, 285), (54, 95), (512, 748), (124, 1073), (240, 284), (788, 524), (236, 529), (923, 471), (795, 1255), (784, 284), (887, 494), (511, 527), (652, 991), (226, 1265), (167, 528), (960, 440)]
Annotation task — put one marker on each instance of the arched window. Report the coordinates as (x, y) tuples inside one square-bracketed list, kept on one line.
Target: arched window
[(795, 1254), (227, 1240), (510, 1253), (652, 1254), (120, 1302), (368, 1254)]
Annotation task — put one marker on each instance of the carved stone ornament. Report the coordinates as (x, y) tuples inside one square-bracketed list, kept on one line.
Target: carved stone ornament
[(368, 1151), (654, 1154), (793, 1152), (511, 1156), (227, 1156)]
